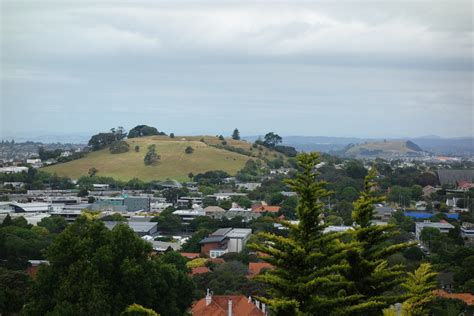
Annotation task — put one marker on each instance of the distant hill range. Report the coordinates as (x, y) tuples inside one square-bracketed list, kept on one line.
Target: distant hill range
[(209, 154), (461, 146), (383, 149)]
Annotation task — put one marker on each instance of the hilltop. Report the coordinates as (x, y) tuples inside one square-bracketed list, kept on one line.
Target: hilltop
[(384, 148), (209, 154)]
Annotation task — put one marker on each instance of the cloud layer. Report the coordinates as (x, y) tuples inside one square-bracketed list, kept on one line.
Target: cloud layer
[(309, 68)]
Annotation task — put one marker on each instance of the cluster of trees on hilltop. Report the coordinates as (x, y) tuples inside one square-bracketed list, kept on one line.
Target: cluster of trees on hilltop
[(115, 136), (273, 141)]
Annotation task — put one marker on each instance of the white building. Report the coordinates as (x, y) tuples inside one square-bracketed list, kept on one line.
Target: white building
[(13, 169), (467, 230), (14, 207), (443, 227)]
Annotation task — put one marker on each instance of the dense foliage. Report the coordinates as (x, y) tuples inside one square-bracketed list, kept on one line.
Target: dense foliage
[(94, 271)]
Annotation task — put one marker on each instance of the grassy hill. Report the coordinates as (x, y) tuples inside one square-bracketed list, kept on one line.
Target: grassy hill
[(383, 148), (174, 163)]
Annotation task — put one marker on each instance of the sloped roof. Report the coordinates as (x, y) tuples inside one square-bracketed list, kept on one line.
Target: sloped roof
[(219, 305), (453, 176), (190, 255), (214, 209), (256, 267), (467, 298), (200, 270), (266, 208)]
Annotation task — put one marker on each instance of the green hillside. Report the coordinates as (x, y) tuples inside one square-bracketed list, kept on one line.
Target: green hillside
[(383, 148), (174, 163)]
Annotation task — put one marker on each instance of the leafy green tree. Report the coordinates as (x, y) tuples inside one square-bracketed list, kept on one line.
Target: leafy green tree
[(307, 279), (13, 288), (370, 272), (349, 194), (168, 223), (92, 172), (151, 157), (192, 244), (101, 140), (119, 147), (416, 192), (171, 135), (227, 278), (355, 169), (271, 139), (236, 134), (400, 195), (143, 130), (95, 271), (54, 224), (138, 310)]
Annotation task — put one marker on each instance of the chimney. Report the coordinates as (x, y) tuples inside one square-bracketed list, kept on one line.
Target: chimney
[(229, 308), (208, 297)]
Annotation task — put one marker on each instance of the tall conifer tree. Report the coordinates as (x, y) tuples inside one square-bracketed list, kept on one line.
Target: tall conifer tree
[(369, 271), (307, 279)]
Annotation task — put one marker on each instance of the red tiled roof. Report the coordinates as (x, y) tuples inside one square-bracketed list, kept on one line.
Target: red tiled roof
[(467, 298), (256, 267), (200, 270), (265, 208), (190, 255), (219, 306)]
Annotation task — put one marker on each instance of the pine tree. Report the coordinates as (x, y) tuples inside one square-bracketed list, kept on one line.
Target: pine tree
[(369, 271), (236, 134), (419, 285), (307, 277)]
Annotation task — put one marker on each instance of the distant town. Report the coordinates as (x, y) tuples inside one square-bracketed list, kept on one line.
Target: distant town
[(210, 218)]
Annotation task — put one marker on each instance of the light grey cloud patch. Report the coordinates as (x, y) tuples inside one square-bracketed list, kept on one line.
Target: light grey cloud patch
[(352, 69)]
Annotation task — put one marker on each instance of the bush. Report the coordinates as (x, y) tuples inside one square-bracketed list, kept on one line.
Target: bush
[(189, 150), (137, 148), (119, 147), (171, 135), (151, 157)]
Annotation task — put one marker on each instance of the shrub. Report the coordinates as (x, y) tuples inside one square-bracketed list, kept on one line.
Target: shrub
[(189, 150), (119, 146)]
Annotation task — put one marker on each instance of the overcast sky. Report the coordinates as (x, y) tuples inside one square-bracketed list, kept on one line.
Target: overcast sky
[(366, 69)]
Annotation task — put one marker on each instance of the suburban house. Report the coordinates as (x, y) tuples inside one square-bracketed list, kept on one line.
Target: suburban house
[(442, 226), (262, 208), (214, 210), (428, 190), (383, 213), (256, 267), (228, 305), (467, 231), (225, 240)]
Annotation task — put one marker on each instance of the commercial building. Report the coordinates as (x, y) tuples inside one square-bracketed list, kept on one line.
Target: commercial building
[(225, 240), (443, 227)]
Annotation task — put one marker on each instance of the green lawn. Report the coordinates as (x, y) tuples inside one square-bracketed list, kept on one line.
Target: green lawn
[(175, 163)]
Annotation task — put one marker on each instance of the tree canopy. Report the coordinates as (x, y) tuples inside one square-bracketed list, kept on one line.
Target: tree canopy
[(95, 271)]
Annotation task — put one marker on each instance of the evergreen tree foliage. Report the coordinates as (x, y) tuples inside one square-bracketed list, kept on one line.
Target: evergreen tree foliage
[(236, 134), (369, 271), (419, 285), (308, 277)]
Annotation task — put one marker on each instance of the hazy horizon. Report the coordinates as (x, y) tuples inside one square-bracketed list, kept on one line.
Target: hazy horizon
[(391, 69)]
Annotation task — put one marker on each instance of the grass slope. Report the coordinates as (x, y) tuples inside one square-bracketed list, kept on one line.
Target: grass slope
[(394, 147), (175, 163)]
